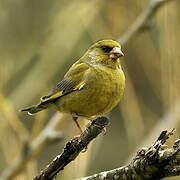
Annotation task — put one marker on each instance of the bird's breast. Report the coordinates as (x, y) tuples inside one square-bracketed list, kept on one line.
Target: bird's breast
[(108, 87)]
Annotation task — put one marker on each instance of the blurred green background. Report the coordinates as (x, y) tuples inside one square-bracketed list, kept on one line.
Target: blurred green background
[(39, 40)]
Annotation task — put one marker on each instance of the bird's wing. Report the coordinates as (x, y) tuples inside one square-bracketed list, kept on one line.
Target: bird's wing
[(73, 81)]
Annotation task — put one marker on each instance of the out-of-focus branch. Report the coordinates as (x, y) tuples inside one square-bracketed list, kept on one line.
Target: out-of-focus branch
[(155, 162), (73, 148), (46, 138), (170, 120), (142, 20)]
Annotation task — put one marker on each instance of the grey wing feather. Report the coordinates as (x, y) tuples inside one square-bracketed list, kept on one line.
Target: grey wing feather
[(65, 86)]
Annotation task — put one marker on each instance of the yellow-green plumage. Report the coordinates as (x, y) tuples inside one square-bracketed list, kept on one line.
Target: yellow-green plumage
[(102, 91), (92, 86)]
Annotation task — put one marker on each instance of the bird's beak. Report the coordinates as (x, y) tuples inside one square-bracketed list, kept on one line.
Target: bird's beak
[(116, 53)]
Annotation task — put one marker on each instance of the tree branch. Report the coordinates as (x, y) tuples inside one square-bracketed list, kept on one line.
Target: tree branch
[(155, 162), (142, 20), (73, 148), (42, 140)]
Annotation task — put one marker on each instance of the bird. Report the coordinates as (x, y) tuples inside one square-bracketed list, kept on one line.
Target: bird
[(91, 87)]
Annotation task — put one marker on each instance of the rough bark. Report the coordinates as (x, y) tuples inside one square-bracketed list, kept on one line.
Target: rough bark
[(155, 162), (73, 148)]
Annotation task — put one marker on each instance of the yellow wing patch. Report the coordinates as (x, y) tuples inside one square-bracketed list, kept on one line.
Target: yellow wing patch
[(54, 96), (62, 92), (73, 81)]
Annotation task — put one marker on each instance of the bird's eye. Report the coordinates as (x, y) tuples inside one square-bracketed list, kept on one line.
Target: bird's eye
[(106, 48)]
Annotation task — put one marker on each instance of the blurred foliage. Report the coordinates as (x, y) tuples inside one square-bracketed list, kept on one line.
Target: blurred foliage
[(39, 40)]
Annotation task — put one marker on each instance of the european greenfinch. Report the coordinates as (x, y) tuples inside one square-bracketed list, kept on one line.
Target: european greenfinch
[(92, 86)]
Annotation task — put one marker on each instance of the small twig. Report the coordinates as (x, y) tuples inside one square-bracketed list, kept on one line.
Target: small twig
[(142, 20), (155, 162), (73, 148)]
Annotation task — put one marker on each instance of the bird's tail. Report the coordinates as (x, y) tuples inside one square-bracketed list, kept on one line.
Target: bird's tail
[(34, 109)]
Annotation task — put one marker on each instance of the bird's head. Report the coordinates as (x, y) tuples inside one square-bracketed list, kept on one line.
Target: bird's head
[(105, 52)]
